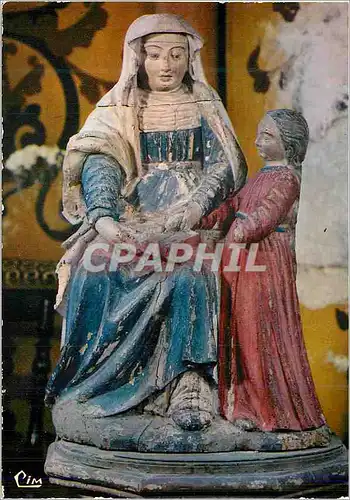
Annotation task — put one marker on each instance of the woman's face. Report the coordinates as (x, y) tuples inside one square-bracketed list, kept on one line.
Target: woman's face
[(268, 141), (165, 60)]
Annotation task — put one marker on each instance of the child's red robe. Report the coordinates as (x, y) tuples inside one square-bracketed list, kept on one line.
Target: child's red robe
[(264, 373)]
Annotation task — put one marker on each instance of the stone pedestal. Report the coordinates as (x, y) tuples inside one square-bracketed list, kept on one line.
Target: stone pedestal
[(241, 473)]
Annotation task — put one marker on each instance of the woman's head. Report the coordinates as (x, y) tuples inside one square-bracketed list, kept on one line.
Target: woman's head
[(294, 133), (164, 61), (164, 50), (141, 32)]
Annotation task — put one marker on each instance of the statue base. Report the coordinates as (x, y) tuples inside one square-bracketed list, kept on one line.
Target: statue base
[(243, 473)]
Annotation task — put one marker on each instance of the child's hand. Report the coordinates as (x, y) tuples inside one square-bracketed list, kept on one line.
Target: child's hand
[(235, 234)]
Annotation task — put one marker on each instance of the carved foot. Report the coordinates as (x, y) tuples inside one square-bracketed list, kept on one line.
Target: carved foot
[(244, 424), (191, 404), (192, 420)]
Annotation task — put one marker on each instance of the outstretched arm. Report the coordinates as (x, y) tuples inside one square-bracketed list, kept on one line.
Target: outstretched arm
[(221, 216)]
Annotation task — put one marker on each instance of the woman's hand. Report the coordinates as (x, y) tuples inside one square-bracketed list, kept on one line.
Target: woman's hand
[(114, 231), (191, 216), (173, 223), (184, 217)]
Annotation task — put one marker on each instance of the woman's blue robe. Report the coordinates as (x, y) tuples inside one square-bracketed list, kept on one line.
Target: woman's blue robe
[(127, 336)]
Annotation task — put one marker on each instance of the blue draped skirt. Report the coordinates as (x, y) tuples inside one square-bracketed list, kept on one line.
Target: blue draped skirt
[(129, 336)]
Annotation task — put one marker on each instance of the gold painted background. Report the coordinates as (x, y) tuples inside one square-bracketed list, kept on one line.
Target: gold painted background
[(100, 59)]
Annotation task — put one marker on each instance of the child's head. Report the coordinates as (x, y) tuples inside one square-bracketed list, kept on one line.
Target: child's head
[(294, 133)]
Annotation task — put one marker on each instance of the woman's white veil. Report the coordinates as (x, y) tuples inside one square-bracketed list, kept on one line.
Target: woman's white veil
[(122, 93)]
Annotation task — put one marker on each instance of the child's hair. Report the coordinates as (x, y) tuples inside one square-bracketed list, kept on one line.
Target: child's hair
[(294, 133)]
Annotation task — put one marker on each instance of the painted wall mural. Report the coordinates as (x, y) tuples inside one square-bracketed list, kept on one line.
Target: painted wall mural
[(34, 38), (39, 30), (305, 68)]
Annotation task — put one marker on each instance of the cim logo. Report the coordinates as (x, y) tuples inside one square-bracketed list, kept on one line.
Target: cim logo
[(24, 481)]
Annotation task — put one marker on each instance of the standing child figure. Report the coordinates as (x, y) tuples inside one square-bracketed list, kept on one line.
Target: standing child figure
[(265, 380)]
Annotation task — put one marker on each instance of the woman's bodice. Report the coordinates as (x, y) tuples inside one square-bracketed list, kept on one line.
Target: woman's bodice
[(181, 159), (172, 163), (173, 146)]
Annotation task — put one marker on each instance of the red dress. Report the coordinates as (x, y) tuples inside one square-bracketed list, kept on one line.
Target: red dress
[(264, 374)]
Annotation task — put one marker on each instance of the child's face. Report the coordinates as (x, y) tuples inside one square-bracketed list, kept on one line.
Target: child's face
[(268, 141)]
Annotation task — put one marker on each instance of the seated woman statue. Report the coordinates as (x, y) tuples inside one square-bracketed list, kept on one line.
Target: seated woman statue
[(156, 155)]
